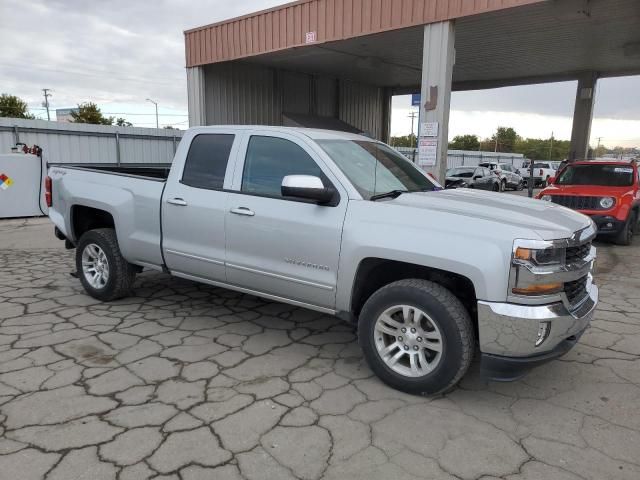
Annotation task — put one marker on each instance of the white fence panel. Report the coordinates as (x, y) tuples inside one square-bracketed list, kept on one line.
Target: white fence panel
[(85, 143)]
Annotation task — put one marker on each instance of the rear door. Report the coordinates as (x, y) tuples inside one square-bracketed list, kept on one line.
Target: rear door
[(282, 246), (194, 207)]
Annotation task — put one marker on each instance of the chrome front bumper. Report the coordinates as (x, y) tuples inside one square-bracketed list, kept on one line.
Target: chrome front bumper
[(511, 330)]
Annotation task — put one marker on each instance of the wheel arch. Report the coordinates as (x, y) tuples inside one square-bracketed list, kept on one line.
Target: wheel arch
[(85, 218), (374, 273)]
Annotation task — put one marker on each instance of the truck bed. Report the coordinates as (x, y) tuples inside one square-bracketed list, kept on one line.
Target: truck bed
[(156, 171)]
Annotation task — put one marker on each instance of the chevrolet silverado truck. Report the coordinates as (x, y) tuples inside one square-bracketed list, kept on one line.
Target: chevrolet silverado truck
[(344, 225)]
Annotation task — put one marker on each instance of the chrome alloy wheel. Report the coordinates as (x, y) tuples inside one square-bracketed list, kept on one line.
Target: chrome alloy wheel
[(95, 266), (408, 341)]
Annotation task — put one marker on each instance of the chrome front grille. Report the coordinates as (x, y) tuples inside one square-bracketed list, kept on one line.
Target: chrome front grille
[(576, 254), (577, 202), (576, 290)]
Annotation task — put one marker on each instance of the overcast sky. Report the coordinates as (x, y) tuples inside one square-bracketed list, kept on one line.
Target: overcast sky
[(118, 53)]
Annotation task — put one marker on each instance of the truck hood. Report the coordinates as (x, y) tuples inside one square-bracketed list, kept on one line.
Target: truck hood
[(547, 220)]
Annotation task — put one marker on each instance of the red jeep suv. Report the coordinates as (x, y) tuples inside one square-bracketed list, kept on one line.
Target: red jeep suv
[(606, 191)]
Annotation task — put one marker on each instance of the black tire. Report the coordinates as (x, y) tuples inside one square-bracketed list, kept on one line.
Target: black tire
[(121, 273), (625, 237), (496, 187), (503, 185), (520, 186), (450, 317)]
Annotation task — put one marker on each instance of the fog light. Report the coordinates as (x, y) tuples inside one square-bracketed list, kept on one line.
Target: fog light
[(609, 225), (543, 332)]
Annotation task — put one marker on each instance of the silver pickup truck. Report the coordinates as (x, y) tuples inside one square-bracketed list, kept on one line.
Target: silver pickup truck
[(345, 225)]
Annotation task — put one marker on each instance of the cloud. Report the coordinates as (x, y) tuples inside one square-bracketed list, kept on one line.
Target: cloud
[(120, 52)]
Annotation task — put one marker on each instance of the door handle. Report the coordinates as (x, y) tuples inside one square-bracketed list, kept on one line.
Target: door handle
[(242, 211), (177, 201)]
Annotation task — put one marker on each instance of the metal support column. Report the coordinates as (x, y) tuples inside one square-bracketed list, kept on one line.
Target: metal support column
[(196, 96), (438, 57), (582, 116)]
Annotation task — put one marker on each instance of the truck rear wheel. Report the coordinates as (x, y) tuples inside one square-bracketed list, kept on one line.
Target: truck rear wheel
[(102, 270), (416, 336)]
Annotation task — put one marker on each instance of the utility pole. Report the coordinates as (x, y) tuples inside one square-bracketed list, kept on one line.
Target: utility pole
[(156, 104), (45, 104), (550, 145), (413, 116)]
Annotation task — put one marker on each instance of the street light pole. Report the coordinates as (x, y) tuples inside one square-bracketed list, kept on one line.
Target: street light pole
[(156, 104)]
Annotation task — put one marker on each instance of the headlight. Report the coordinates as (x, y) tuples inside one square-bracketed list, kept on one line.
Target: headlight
[(546, 198), (607, 202), (530, 267), (546, 256)]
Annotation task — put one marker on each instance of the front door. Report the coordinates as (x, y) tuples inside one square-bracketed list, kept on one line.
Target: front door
[(282, 246), (194, 208)]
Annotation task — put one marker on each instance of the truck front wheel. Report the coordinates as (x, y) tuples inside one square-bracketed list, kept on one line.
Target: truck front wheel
[(102, 270), (416, 336)]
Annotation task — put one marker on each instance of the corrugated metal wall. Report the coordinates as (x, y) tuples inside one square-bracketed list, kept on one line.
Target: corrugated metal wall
[(245, 94), (286, 26), (362, 107), (241, 94), (83, 143)]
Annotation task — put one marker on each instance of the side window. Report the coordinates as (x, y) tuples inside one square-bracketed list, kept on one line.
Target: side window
[(207, 160), (269, 160)]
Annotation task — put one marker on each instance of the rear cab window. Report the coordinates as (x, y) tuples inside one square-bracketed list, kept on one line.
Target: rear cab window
[(207, 159)]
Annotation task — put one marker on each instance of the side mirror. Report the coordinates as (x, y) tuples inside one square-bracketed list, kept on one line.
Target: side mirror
[(306, 187), (552, 180)]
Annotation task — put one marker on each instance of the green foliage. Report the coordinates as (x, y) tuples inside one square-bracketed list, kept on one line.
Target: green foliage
[(14, 107), (404, 141), (121, 122), (465, 142), (504, 140), (543, 148), (89, 112)]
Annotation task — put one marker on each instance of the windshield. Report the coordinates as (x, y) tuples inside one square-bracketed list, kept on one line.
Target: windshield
[(489, 165), (464, 172), (604, 175), (374, 168)]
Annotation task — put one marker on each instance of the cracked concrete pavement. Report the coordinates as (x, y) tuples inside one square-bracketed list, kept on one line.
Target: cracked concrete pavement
[(186, 381)]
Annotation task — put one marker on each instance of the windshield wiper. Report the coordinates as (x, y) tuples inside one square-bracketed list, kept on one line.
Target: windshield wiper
[(390, 194), (397, 193)]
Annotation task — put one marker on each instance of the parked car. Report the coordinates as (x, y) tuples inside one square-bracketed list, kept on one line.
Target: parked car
[(506, 173), (542, 173), (472, 177), (606, 191), (344, 225)]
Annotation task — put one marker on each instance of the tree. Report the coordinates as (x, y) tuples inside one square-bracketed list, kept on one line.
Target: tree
[(404, 141), (504, 140), (14, 107), (543, 148), (465, 142), (89, 112), (121, 122), (600, 151)]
